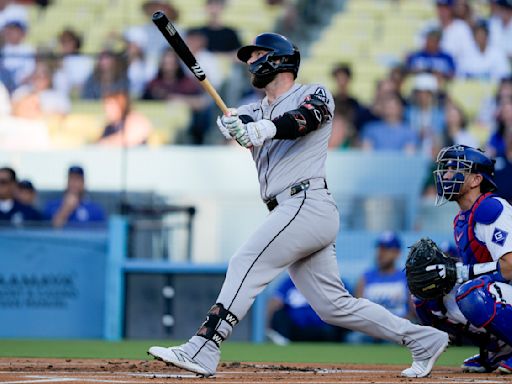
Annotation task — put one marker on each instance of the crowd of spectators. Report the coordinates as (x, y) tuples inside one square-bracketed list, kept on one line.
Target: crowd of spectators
[(458, 45), (136, 62), (20, 205)]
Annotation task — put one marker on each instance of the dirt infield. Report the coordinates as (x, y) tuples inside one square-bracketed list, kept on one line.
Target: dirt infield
[(23, 370)]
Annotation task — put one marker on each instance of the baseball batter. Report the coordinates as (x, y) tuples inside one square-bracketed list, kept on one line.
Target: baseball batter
[(287, 133)]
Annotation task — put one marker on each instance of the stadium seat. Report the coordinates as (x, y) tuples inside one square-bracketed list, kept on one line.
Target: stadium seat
[(470, 93)]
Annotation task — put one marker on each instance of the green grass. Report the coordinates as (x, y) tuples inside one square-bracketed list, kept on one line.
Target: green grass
[(231, 351)]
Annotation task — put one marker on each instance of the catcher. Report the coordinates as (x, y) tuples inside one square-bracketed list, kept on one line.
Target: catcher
[(469, 298)]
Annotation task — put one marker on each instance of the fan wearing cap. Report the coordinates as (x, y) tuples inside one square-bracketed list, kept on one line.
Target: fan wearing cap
[(26, 193), (74, 208), (17, 55), (431, 58), (385, 284), (425, 115)]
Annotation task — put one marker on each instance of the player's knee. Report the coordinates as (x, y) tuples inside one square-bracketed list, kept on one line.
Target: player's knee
[(486, 303), (476, 302)]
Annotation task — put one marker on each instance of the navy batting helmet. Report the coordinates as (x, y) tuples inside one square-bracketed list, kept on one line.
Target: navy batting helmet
[(282, 55), (459, 160)]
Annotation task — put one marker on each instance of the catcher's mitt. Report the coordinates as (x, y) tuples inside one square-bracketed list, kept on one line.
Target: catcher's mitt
[(430, 273)]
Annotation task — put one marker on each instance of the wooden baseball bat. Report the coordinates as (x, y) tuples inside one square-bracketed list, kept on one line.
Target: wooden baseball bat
[(175, 41)]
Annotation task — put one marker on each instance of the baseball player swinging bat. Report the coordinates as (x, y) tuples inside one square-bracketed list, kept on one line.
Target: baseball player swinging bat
[(175, 41)]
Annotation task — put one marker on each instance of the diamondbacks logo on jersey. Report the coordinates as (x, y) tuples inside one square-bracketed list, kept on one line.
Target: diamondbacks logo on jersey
[(320, 92), (499, 236)]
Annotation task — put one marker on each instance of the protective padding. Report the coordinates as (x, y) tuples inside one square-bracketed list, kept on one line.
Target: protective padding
[(487, 304)]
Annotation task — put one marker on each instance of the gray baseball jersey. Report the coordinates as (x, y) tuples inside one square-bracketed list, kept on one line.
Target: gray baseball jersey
[(299, 235), (283, 163)]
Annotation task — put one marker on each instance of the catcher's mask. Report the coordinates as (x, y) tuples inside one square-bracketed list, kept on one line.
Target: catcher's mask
[(453, 164), (282, 56)]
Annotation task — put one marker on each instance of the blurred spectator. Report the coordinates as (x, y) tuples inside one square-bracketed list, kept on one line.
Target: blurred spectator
[(384, 88), (10, 10), (17, 55), (385, 283), (109, 75), (140, 70), (496, 144), (221, 38), (482, 60), (288, 23), (424, 115), (197, 41), (431, 58), (456, 36), (74, 67), (26, 193), (11, 210), (343, 133), (171, 83), (390, 134), (489, 107), (291, 318), (124, 126), (170, 80), (463, 10), (398, 75), (500, 28), (345, 104), (456, 127), (503, 167), (38, 99), (74, 207), (158, 45)]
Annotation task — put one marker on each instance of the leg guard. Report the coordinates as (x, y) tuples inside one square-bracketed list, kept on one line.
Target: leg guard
[(487, 304), (433, 312), (215, 315)]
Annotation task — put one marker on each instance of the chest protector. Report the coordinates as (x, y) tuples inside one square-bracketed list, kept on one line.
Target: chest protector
[(471, 249)]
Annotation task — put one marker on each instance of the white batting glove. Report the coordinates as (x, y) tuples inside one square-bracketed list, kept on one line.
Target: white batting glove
[(462, 272), (228, 120), (260, 131), (236, 128)]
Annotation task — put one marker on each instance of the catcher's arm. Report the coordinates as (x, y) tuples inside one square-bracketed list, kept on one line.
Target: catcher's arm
[(500, 270)]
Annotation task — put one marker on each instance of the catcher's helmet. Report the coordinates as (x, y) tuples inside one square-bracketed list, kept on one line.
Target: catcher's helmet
[(460, 160), (279, 47)]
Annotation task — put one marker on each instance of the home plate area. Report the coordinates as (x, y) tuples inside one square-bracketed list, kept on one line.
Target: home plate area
[(21, 370)]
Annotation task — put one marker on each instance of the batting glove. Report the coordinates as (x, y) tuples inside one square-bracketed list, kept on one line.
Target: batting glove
[(227, 121), (260, 131)]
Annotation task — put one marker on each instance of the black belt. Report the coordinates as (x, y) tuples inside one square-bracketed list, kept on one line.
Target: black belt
[(294, 189)]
